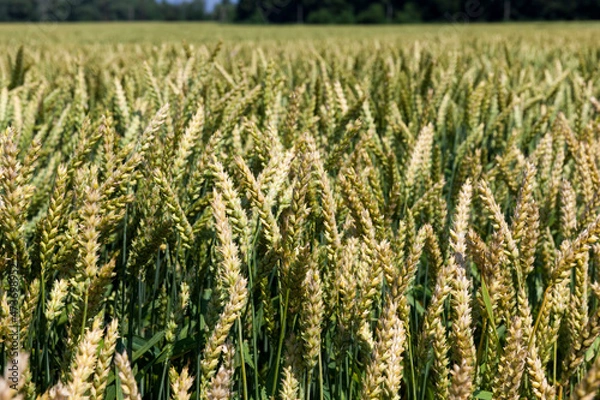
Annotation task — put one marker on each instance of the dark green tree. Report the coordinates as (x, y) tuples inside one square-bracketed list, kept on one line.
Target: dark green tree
[(225, 11), (374, 14), (17, 10)]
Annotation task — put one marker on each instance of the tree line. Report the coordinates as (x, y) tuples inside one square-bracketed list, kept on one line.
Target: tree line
[(301, 11), (403, 11), (101, 10)]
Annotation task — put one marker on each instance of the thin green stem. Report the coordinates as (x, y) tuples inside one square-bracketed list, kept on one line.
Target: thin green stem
[(242, 360), (280, 344), (320, 377)]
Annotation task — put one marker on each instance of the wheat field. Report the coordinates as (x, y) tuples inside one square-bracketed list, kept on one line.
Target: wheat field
[(214, 212)]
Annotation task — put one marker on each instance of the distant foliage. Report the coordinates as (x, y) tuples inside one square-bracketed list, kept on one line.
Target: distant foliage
[(298, 11)]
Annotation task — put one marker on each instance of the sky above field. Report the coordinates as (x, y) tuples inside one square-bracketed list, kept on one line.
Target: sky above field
[(210, 4)]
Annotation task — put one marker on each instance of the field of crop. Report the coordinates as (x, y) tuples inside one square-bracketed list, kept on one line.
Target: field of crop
[(213, 212)]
